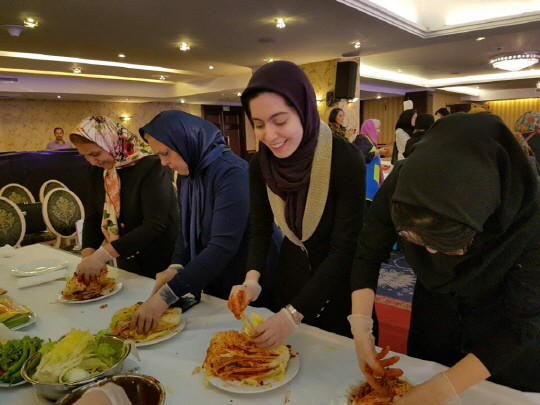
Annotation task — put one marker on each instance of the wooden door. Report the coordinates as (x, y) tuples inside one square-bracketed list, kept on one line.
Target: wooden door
[(230, 121)]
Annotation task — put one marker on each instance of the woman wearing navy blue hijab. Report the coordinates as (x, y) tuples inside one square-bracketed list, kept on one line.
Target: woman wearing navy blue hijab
[(213, 193)]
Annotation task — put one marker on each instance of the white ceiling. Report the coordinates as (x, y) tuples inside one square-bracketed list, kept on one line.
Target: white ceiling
[(235, 36)]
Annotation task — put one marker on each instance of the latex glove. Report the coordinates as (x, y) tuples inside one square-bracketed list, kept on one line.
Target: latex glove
[(148, 315), (362, 330), (165, 276), (107, 394), (274, 330), (91, 266), (437, 391), (238, 303), (87, 252)]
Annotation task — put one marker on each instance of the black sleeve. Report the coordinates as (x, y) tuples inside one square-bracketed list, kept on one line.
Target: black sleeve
[(377, 237), (261, 218), (156, 193), (365, 147), (520, 305), (92, 235), (349, 193)]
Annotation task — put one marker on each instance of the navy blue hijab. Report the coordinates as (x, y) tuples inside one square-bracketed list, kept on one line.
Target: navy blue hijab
[(199, 143)]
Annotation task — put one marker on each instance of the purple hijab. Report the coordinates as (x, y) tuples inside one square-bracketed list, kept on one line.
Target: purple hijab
[(288, 177)]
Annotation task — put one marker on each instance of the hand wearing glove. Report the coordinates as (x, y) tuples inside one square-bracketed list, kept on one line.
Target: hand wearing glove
[(91, 266), (107, 394), (274, 330), (148, 315), (165, 276), (242, 295), (437, 391)]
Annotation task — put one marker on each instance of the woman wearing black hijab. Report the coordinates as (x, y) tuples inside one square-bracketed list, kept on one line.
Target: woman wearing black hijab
[(423, 123), (404, 131), (466, 203), (312, 183)]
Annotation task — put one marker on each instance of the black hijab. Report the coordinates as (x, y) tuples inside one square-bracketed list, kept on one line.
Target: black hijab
[(423, 122), (470, 168), (404, 121), (289, 177)]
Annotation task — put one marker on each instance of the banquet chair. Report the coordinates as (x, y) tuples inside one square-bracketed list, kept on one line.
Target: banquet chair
[(50, 185), (17, 193), (12, 223), (61, 210)]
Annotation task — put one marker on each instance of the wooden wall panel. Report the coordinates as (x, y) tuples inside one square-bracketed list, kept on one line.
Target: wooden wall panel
[(387, 110), (511, 110)]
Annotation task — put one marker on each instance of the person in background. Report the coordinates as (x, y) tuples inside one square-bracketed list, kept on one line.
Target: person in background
[(404, 131), (528, 125), (312, 183), (59, 143), (423, 123), (441, 112), (474, 244), (211, 250), (367, 143), (335, 122), (131, 210)]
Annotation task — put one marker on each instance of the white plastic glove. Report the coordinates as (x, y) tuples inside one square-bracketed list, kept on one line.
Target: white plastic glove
[(112, 394), (252, 290), (362, 330), (437, 391), (274, 330), (163, 277), (91, 266)]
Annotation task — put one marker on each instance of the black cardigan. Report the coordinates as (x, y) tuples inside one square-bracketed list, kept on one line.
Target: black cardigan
[(148, 216), (315, 282)]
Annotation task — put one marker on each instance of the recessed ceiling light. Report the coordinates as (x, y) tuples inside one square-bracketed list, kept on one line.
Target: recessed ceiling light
[(477, 87), (538, 85), (240, 94), (379, 97), (182, 100), (121, 55), (127, 99), (30, 22), (270, 60), (163, 77), (357, 45), (211, 67), (184, 47), (354, 100), (58, 96), (480, 38), (77, 70), (280, 23), (400, 70)]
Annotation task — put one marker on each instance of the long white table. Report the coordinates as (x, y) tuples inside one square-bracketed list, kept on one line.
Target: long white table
[(328, 361)]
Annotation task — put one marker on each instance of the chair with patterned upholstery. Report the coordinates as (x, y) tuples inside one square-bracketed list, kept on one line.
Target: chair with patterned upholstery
[(49, 185), (17, 193), (61, 210), (12, 223)]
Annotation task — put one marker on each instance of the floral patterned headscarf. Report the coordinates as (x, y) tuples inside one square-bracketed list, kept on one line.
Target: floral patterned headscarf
[(126, 148), (528, 123)]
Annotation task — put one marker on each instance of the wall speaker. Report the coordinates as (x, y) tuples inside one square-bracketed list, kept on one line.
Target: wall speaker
[(346, 74)]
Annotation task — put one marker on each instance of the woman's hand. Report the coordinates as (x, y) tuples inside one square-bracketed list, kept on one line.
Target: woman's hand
[(242, 295), (87, 252), (163, 278), (274, 330), (437, 391), (91, 266), (383, 392), (148, 315), (384, 151)]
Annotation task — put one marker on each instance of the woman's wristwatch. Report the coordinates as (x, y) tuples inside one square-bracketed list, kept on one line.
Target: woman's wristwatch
[(294, 313)]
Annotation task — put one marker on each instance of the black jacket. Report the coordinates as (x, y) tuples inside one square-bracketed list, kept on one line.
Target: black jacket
[(415, 138), (315, 282), (148, 216)]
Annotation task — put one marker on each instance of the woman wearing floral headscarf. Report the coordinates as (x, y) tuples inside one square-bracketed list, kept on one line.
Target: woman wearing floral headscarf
[(131, 208), (528, 125)]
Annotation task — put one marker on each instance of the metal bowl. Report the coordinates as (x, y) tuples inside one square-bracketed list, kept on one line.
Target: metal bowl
[(55, 391), (140, 389)]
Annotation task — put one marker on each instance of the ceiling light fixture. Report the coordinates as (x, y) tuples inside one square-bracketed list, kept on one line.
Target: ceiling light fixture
[(211, 67), (357, 45), (30, 22), (240, 94), (121, 55), (400, 70), (538, 85), (163, 77), (379, 97), (77, 70), (270, 60), (354, 100), (516, 61), (182, 100), (480, 38), (58, 96), (184, 47), (280, 23)]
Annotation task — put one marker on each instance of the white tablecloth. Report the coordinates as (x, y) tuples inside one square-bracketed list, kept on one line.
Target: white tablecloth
[(327, 360)]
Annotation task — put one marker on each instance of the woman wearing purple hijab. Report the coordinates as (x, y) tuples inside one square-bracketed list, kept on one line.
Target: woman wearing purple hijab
[(312, 184)]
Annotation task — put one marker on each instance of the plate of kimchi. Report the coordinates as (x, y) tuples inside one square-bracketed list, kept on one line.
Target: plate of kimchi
[(77, 290)]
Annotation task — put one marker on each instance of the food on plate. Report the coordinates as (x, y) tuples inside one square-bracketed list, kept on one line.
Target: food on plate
[(13, 354), (76, 356), (77, 289), (366, 395), (234, 357), (13, 315), (121, 324), (235, 304)]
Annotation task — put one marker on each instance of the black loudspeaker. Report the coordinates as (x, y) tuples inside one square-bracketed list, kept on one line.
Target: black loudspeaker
[(346, 74)]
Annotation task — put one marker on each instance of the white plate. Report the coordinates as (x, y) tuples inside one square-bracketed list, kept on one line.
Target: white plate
[(32, 319), (342, 396), (39, 267), (166, 337), (270, 384), (4, 385), (117, 287)]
